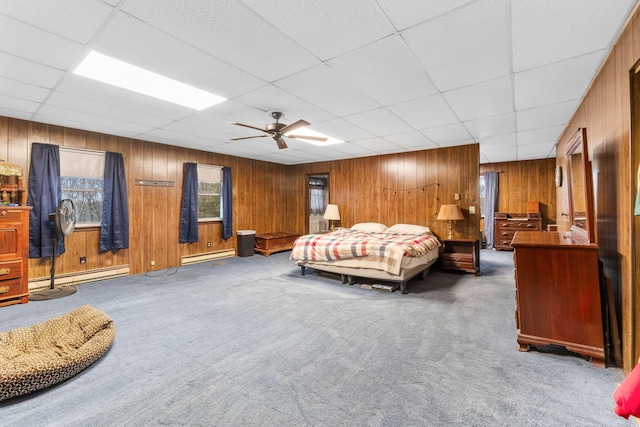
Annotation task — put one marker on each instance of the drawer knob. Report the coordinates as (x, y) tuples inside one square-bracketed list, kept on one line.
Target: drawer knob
[(3, 213), (5, 271), (531, 226), (4, 289)]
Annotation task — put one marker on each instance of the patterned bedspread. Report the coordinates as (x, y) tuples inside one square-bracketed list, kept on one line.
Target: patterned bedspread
[(383, 251)]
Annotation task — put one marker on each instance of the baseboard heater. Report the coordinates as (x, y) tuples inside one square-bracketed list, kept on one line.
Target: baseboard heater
[(68, 279), (207, 256)]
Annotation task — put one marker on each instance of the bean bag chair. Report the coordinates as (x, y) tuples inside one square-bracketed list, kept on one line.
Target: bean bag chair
[(38, 356)]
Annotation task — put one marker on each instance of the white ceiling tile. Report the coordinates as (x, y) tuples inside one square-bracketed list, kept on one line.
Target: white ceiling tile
[(545, 32), (77, 20), (497, 141), (457, 142), (271, 97), (538, 149), (448, 133), (480, 100), (379, 122), (353, 149), (14, 89), (412, 13), (548, 115), (22, 107), (128, 39), (379, 145), (494, 125), (34, 44), (322, 86), (25, 71), (466, 46), (386, 70), (102, 92), (341, 129), (544, 135), (414, 140), (229, 31), (563, 81), (426, 112), (506, 154), (344, 26), (91, 119)]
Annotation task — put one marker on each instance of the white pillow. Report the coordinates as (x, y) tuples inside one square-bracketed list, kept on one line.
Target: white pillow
[(408, 229), (369, 227)]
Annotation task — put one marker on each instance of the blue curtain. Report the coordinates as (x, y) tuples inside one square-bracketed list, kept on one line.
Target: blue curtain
[(114, 230), (189, 206), (227, 208), (44, 196), (491, 200)]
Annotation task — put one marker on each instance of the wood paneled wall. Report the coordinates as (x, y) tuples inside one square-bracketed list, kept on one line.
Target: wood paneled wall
[(605, 113), (401, 188), (524, 181), (154, 212)]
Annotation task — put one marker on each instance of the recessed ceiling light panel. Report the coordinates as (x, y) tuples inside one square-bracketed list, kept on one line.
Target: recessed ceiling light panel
[(124, 75), (301, 132)]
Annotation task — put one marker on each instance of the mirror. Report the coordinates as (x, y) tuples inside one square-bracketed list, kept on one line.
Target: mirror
[(580, 188)]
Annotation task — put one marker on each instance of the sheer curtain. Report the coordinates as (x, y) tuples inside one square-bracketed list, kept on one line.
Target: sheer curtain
[(44, 196), (114, 230), (491, 201), (317, 195)]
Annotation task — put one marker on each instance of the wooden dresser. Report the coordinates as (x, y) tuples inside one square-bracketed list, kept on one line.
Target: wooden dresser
[(14, 255), (506, 225), (558, 293)]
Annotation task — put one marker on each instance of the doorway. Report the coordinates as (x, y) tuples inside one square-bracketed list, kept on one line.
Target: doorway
[(317, 200)]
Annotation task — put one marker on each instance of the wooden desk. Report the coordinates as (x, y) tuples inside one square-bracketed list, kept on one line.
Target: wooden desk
[(269, 243), (558, 297)]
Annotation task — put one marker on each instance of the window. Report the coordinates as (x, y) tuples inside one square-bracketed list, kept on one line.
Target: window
[(82, 180), (209, 193)]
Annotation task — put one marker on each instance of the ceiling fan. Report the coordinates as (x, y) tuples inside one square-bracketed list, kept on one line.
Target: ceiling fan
[(278, 130)]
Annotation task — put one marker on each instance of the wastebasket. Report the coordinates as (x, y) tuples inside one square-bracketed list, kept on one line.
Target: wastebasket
[(246, 242)]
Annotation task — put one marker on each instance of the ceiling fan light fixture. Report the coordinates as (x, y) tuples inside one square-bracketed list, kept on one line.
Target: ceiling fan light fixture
[(118, 73)]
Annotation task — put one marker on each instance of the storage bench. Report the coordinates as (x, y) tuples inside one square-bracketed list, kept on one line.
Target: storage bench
[(269, 243)]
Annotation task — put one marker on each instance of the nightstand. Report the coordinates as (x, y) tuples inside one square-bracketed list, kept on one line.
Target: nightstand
[(461, 255)]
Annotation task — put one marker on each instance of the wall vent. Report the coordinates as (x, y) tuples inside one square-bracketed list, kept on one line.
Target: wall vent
[(208, 256), (68, 279)]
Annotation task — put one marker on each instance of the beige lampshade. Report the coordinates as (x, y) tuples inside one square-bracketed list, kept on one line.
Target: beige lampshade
[(450, 213), (332, 213)]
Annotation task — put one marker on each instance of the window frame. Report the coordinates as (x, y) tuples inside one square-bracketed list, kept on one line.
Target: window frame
[(209, 171)]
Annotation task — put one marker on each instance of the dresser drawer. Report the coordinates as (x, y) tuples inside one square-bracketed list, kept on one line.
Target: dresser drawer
[(519, 225), (10, 270), (10, 288)]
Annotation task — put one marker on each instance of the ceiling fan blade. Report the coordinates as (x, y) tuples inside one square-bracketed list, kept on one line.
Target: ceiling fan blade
[(248, 137), (309, 137), (294, 125), (280, 142), (249, 126)]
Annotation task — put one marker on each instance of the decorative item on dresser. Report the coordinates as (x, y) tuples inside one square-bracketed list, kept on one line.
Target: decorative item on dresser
[(461, 255), (14, 253), (506, 224)]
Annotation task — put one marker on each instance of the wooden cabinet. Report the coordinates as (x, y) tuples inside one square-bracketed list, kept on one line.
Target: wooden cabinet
[(558, 297), (461, 254), (506, 225), (269, 243), (14, 255)]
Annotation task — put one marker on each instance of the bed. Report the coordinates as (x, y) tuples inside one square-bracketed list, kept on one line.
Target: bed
[(370, 250)]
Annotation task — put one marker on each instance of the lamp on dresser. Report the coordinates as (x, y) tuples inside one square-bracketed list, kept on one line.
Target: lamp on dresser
[(450, 214), (332, 214)]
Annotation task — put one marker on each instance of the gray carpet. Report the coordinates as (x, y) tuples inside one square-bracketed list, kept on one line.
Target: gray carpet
[(250, 342)]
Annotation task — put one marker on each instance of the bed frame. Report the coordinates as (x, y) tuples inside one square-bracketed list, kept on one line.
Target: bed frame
[(349, 273)]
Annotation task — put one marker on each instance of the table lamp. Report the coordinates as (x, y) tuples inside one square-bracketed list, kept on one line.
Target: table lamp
[(332, 214), (450, 213)]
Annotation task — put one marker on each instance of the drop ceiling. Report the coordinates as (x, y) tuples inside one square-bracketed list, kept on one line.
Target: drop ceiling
[(382, 75)]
